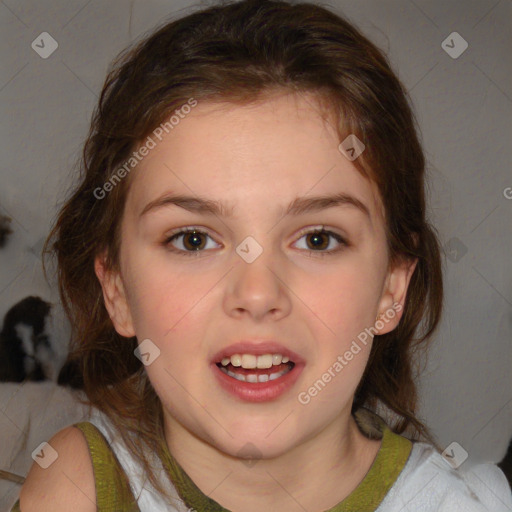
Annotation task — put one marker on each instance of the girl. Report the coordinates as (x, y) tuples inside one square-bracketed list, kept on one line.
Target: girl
[(246, 262)]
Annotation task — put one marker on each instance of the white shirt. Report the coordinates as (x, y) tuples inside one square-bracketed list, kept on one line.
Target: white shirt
[(427, 482)]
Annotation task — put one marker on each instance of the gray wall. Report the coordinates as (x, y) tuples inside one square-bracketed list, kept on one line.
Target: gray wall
[(463, 106)]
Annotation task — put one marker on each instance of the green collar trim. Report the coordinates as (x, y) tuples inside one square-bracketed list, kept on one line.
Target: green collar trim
[(366, 497), (387, 466)]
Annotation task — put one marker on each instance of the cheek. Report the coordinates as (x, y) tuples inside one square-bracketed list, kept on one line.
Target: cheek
[(171, 309), (343, 299), (159, 297)]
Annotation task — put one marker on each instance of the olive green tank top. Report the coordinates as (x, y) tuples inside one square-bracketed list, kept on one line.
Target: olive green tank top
[(113, 492)]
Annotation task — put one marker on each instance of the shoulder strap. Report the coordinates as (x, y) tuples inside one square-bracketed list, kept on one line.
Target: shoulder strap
[(113, 492)]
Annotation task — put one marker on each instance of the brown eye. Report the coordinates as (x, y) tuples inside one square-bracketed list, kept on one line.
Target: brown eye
[(318, 241), (189, 242), (192, 241)]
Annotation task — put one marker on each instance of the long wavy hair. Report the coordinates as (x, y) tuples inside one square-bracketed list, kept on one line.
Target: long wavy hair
[(238, 52)]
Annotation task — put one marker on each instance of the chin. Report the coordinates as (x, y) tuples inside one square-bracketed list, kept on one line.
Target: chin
[(254, 440), (254, 449)]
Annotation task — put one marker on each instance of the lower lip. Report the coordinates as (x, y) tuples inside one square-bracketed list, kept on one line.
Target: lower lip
[(258, 391)]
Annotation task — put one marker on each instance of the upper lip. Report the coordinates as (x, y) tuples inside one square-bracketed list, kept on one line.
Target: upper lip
[(257, 348)]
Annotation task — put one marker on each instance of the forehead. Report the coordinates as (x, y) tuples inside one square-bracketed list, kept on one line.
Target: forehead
[(250, 157)]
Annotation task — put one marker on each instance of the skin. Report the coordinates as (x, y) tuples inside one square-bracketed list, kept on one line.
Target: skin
[(257, 158)]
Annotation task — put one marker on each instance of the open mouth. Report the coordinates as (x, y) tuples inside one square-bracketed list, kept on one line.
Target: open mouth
[(256, 369)]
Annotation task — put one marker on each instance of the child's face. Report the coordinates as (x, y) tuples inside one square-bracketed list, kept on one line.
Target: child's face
[(193, 306)]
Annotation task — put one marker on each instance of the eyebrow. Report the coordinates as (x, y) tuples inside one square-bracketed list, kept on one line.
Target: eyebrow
[(299, 206)]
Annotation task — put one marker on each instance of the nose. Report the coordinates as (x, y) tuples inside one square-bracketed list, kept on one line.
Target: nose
[(257, 289)]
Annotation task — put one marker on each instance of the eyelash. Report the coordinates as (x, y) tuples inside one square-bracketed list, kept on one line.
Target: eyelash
[(321, 253)]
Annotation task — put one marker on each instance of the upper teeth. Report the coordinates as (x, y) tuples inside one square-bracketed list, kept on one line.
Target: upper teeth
[(252, 361)]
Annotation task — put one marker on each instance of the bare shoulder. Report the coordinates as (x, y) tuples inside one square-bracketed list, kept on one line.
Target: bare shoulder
[(67, 481)]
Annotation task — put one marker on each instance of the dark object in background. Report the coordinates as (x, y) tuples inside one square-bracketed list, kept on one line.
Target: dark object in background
[(71, 375), (506, 464), (4, 229), (25, 349)]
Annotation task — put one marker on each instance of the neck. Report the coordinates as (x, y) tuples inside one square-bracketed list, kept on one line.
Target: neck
[(334, 460)]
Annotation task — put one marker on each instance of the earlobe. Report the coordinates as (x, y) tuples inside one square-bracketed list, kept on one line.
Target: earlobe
[(114, 297), (391, 305)]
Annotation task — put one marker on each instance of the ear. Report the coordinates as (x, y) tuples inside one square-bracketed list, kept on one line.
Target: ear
[(114, 297), (392, 301)]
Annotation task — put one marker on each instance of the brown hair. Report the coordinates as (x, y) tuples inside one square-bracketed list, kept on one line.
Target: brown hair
[(237, 52)]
